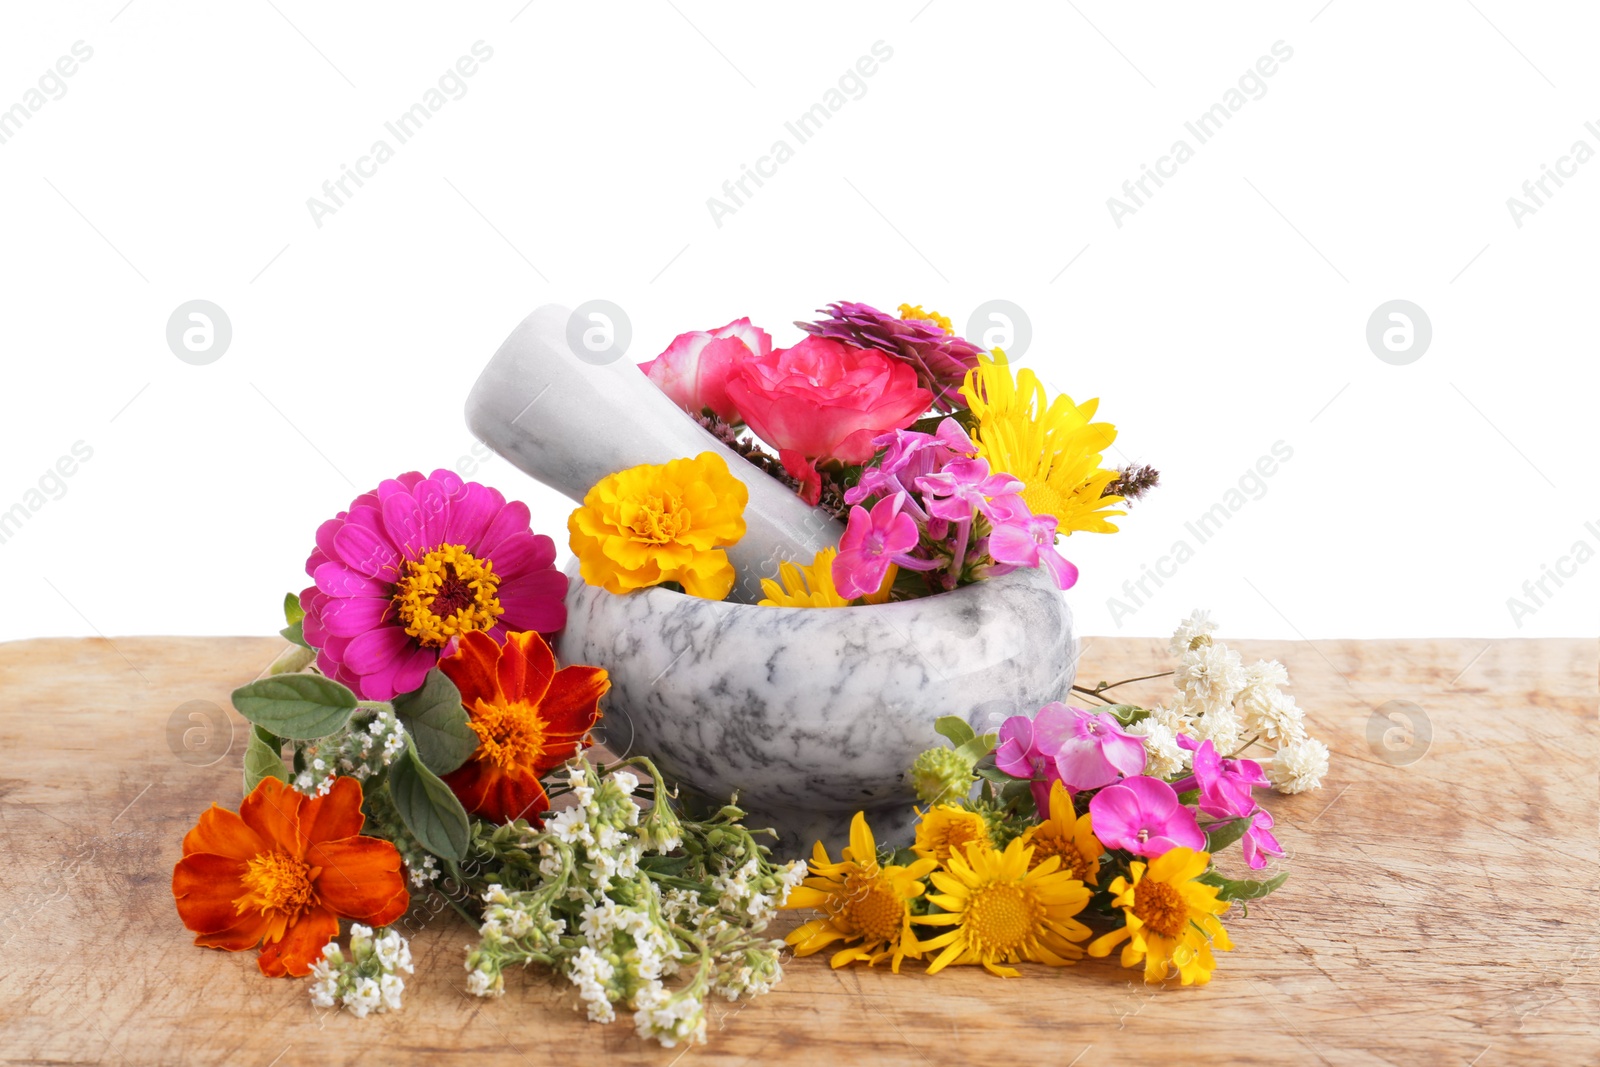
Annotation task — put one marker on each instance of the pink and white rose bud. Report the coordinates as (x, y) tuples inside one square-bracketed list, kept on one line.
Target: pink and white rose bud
[(695, 368)]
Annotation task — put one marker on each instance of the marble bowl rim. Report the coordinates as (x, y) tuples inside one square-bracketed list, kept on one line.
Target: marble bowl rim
[(666, 597)]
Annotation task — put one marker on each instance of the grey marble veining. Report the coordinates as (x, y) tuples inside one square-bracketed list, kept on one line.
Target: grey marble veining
[(813, 713), (569, 423)]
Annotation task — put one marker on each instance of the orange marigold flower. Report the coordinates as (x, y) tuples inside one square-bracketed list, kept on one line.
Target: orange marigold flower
[(529, 717), (282, 872)]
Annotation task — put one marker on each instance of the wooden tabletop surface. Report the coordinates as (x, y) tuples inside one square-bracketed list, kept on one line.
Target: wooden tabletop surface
[(1444, 906)]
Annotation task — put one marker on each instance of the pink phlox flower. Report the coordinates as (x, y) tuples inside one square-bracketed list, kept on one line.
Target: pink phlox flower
[(1143, 816)]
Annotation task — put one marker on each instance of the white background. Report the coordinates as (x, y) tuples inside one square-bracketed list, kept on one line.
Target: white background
[(1225, 315)]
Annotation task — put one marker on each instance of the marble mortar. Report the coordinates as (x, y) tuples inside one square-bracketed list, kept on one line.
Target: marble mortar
[(811, 714)]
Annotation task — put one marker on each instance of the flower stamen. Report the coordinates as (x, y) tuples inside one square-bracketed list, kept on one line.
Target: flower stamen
[(447, 592)]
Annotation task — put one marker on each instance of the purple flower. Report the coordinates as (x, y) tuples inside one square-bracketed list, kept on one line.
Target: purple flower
[(1226, 792), (1030, 542), (964, 487), (909, 455), (872, 541), (1143, 816), (1095, 750)]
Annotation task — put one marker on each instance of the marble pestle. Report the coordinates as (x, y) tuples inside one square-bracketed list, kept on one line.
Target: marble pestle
[(569, 422)]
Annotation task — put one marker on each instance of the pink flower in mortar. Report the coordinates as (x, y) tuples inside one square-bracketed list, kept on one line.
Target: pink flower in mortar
[(825, 399), (1096, 751), (695, 368), (1023, 539), (1143, 816), (871, 542), (416, 563)]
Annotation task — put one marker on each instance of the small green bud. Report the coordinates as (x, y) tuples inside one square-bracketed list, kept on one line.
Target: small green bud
[(942, 775)]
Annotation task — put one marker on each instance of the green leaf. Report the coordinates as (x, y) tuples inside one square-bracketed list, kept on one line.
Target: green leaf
[(292, 611), (430, 811), (671, 866), (434, 717), (954, 729), (1126, 714), (1243, 888), (978, 747), (299, 706), (993, 773), (295, 634), (263, 758), (1221, 835)]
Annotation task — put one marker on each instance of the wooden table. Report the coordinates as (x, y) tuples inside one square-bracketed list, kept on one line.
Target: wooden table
[(1444, 906)]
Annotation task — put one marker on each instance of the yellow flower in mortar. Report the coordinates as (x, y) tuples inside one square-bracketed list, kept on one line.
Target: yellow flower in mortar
[(661, 523), (1049, 444), (812, 587)]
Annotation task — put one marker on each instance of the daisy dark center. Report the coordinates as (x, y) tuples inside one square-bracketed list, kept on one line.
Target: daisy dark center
[(999, 920), (1072, 861), (277, 882), (447, 592), (1160, 907), (873, 908)]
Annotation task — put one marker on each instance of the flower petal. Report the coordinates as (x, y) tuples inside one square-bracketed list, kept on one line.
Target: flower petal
[(472, 667), (273, 810), (333, 816), (535, 601), (301, 945), (360, 877), (222, 833), (526, 668), (204, 887), (376, 649)]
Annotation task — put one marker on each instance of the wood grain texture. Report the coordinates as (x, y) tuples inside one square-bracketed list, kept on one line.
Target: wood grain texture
[(1442, 912)]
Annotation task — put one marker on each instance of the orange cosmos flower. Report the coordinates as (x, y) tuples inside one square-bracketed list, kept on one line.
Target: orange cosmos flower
[(529, 717), (282, 872)]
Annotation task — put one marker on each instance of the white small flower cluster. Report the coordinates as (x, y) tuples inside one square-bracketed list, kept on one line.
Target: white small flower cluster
[(361, 749), (1217, 698), (369, 979), (599, 917)]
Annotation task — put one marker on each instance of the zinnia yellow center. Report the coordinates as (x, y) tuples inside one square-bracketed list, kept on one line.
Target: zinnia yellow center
[(276, 881), (653, 520), (1161, 908), (510, 735), (998, 920), (872, 907), (447, 592)]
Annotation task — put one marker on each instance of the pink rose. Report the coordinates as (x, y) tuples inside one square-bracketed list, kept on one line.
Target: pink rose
[(695, 368), (825, 399)]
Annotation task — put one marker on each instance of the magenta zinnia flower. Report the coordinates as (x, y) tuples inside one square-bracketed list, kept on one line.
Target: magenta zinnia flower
[(1143, 816), (413, 565)]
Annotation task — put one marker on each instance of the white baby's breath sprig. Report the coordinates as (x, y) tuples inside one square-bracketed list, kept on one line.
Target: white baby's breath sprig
[(368, 979)]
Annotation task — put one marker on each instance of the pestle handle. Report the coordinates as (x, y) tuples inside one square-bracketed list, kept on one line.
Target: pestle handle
[(568, 423)]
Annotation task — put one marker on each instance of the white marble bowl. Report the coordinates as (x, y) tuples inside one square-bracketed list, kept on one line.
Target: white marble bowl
[(811, 714)]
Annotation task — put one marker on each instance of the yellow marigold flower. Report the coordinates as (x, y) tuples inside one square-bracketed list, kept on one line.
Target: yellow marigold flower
[(945, 830), (652, 524), (1068, 836), (1171, 918), (1050, 445), (866, 906), (914, 311), (1003, 911), (812, 587)]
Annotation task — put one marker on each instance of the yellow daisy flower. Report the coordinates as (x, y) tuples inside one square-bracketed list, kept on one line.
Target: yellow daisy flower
[(866, 906), (812, 587), (1050, 445), (945, 830), (1068, 836), (1004, 912), (1171, 918)]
